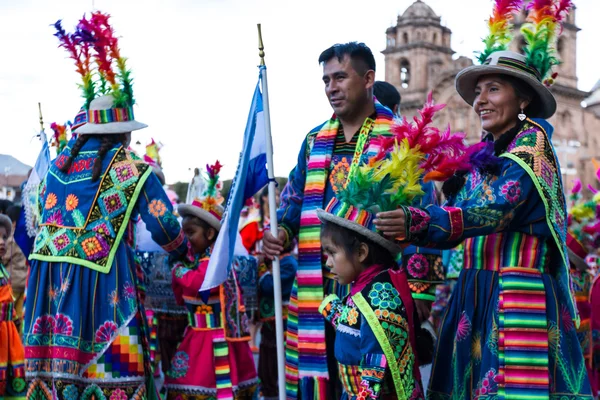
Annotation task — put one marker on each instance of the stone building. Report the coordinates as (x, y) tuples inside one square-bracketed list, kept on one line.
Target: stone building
[(419, 59)]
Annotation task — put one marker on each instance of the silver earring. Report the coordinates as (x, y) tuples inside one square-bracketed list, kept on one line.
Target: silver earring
[(522, 116)]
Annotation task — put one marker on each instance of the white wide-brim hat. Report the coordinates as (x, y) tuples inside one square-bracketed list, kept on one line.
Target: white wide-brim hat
[(105, 119), (392, 247), (515, 65), (206, 216)]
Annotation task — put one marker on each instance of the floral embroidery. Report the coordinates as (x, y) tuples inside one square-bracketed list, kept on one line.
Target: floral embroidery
[(55, 218), (511, 191), (384, 295), (339, 175), (180, 271), (489, 384), (418, 266), (93, 391), (105, 332), (157, 208), (71, 392), (61, 241), (419, 220), (72, 202), (476, 347), (113, 298), (566, 318), (464, 327), (95, 247), (63, 325), (129, 290), (352, 316), (51, 201), (44, 324), (118, 394), (179, 365)]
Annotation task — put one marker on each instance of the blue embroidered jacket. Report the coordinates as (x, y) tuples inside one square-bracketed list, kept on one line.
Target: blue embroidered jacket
[(84, 222)]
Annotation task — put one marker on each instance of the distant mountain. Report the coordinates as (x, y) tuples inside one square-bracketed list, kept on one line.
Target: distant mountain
[(10, 166)]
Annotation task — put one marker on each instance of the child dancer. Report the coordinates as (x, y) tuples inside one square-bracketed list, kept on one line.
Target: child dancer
[(214, 359), (12, 355)]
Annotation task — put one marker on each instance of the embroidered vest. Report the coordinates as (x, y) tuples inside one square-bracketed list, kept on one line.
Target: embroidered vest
[(83, 222)]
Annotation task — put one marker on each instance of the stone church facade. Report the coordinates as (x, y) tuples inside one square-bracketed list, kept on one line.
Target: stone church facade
[(419, 59)]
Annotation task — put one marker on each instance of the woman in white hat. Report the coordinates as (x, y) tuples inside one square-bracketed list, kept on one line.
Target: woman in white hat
[(509, 329), (85, 332)]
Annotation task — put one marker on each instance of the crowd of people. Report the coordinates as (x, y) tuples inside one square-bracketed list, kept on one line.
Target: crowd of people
[(490, 276)]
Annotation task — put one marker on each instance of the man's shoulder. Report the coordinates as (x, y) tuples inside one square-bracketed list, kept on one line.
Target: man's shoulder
[(316, 129)]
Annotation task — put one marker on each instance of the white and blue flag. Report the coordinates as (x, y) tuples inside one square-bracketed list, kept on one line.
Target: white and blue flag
[(250, 177)]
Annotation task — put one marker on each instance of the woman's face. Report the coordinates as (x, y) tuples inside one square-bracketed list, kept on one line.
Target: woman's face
[(497, 104)]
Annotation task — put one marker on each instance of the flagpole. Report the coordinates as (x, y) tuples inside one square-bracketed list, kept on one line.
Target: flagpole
[(276, 271), (41, 119)]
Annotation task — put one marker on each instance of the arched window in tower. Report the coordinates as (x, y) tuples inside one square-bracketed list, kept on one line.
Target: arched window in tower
[(405, 38), (560, 47), (404, 73), (435, 38)]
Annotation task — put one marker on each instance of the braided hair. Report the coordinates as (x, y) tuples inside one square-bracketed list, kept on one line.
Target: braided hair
[(107, 142)]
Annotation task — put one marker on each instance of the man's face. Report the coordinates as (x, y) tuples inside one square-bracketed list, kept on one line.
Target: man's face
[(346, 90)]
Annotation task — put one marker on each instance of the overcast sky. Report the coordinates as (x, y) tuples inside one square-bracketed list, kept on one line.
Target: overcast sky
[(194, 66)]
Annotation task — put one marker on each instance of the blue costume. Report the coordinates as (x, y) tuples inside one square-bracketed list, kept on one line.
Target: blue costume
[(509, 330), (85, 331)]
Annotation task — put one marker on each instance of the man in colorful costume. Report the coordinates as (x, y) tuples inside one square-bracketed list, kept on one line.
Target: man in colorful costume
[(329, 155), (85, 327)]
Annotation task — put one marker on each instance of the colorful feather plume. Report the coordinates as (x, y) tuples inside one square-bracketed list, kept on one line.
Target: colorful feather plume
[(544, 24), (59, 139), (94, 38), (152, 155), (500, 27), (213, 185), (79, 51), (416, 151)]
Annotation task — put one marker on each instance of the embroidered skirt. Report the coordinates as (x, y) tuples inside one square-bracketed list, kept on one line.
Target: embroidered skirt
[(12, 358), (507, 333), (205, 363), (85, 332)]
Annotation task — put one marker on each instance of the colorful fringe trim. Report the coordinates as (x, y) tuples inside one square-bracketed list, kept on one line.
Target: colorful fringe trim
[(306, 359), (523, 335), (222, 370)]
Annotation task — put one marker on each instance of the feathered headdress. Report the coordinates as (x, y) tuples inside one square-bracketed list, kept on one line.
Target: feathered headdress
[(152, 155), (94, 42), (583, 223), (500, 27), (59, 139), (541, 31), (416, 151), (208, 207)]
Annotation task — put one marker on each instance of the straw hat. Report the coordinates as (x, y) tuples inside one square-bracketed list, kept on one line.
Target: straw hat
[(356, 220), (512, 64), (208, 208), (104, 118)]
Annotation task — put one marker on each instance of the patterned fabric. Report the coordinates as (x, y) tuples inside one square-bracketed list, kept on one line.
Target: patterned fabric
[(425, 271), (373, 341), (12, 357), (90, 239), (507, 332), (533, 151), (582, 287), (595, 324), (83, 327), (216, 339), (305, 352)]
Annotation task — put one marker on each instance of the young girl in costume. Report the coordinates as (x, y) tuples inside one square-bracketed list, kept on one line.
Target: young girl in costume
[(214, 360), (12, 355), (379, 341)]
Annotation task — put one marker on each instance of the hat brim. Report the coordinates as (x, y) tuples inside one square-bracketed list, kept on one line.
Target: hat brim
[(6, 222), (392, 247), (542, 107), (193, 211), (109, 128)]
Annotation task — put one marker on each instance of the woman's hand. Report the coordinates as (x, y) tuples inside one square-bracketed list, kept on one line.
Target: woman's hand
[(392, 224)]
